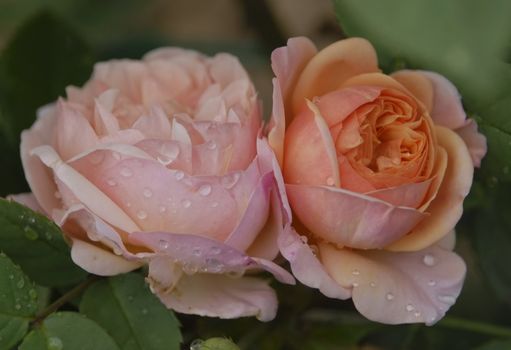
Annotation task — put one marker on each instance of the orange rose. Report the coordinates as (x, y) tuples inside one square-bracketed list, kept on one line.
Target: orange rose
[(376, 168)]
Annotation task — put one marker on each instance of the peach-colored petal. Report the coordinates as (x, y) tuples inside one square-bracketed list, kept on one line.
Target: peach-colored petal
[(99, 261), (309, 145), (379, 80), (333, 65), (409, 195), (221, 296), (351, 219), (38, 176), (397, 288), (419, 85), (28, 200), (475, 141), (306, 267), (447, 108), (446, 209)]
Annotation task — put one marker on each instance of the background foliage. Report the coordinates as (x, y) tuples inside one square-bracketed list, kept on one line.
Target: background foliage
[(47, 45)]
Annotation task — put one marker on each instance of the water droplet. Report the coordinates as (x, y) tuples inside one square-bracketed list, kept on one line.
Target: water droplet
[(211, 145), (145, 311), (126, 172), (169, 152), (389, 296), (205, 190), (448, 299), (141, 215), (355, 272), (186, 203), (96, 157), (147, 193), (196, 344), (410, 307), (215, 250), (330, 181), (163, 209), (228, 181), (163, 244), (111, 182), (431, 283), (32, 293), (429, 260), (30, 233), (17, 306), (21, 283), (179, 175), (214, 204), (197, 251), (214, 265), (372, 284), (354, 284), (417, 314)]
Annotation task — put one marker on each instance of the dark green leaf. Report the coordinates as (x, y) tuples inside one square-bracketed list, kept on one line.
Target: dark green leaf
[(213, 344), (132, 315), (37, 245), (68, 330), (18, 303), (496, 345)]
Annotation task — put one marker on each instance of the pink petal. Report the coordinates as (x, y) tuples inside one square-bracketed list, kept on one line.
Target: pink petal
[(28, 200), (409, 195), (155, 125), (198, 254), (419, 85), (475, 141), (277, 125), (447, 108), (222, 296), (333, 65), (99, 261), (446, 209), (38, 176), (351, 219), (398, 288), (225, 68), (306, 267)]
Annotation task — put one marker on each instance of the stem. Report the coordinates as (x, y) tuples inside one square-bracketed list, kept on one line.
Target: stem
[(474, 326), (64, 299)]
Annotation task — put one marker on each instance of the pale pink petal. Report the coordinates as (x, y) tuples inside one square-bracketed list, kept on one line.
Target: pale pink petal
[(349, 218), (28, 200), (446, 209), (447, 108), (155, 125), (222, 296), (475, 141), (38, 176), (163, 274), (225, 68), (306, 267), (99, 261), (97, 201), (196, 254), (277, 125), (333, 65), (105, 122), (171, 154), (74, 133), (409, 195), (397, 288)]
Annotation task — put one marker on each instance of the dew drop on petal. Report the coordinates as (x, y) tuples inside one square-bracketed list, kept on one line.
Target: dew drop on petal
[(126, 172), (141, 215), (179, 175), (96, 158), (197, 251), (215, 250), (429, 260), (163, 244), (330, 181), (186, 203), (410, 307), (417, 314), (431, 283), (111, 182), (148, 193), (355, 272), (228, 181), (214, 204), (205, 190), (389, 296), (448, 299), (211, 145)]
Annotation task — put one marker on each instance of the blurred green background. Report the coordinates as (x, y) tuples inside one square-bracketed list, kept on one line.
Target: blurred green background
[(47, 44)]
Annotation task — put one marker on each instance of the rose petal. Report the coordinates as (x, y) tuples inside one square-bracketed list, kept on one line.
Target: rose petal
[(419, 85), (222, 296), (28, 200), (398, 288), (349, 218), (277, 124), (409, 195), (446, 209), (475, 141), (333, 65), (306, 267)]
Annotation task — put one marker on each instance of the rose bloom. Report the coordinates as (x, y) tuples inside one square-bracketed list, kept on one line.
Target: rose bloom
[(159, 162), (376, 168)]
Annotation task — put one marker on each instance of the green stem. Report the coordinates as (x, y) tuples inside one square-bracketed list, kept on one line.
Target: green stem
[(64, 299), (474, 326)]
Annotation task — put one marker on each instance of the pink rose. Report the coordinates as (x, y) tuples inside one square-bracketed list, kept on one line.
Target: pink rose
[(376, 168), (159, 162)]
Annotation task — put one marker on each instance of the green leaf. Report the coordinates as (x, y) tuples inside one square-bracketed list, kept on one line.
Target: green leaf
[(37, 245), (213, 344), (131, 314), (41, 59), (496, 345), (68, 330), (18, 303)]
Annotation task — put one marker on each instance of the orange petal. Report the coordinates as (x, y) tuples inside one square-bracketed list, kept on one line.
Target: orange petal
[(446, 209), (331, 66), (420, 86)]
